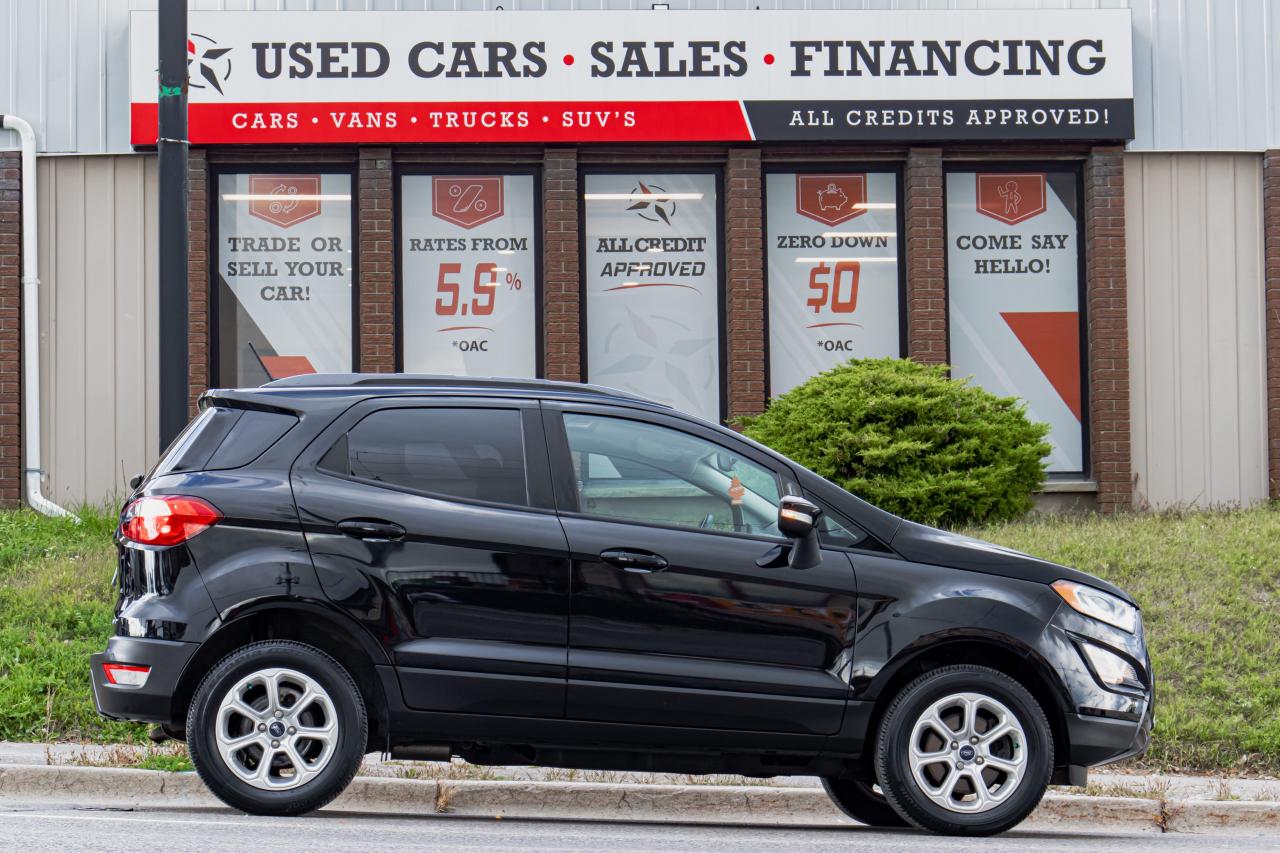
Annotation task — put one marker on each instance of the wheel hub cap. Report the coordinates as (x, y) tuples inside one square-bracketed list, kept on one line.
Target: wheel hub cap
[(967, 753), (276, 729)]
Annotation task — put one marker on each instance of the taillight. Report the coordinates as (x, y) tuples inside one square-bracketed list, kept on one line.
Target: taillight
[(166, 519), (125, 674)]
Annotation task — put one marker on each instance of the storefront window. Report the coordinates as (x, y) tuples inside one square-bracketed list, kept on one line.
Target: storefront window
[(1013, 276), (284, 280), (653, 287), (834, 283), (469, 275)]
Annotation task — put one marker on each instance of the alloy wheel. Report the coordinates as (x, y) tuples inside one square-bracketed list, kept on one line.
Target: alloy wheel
[(276, 729), (967, 753)]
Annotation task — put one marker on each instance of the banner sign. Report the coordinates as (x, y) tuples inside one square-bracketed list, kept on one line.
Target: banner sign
[(652, 271), (833, 272), (284, 268), (645, 76), (1014, 282), (469, 274)]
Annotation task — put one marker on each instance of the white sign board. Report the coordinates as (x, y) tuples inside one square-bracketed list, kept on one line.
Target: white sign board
[(834, 289), (1014, 282), (284, 255), (652, 273), (636, 76), (469, 274)]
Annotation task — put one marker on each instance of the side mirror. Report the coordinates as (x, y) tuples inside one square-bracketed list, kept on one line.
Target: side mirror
[(798, 520), (135, 481)]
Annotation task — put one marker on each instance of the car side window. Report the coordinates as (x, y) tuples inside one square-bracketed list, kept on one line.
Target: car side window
[(636, 471), (476, 454), (834, 529)]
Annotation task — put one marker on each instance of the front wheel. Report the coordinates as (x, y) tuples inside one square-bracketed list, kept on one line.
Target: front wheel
[(277, 728), (964, 750)]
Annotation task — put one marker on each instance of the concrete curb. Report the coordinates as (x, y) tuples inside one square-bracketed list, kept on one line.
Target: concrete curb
[(93, 786)]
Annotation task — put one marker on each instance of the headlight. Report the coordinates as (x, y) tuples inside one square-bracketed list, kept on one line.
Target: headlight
[(1110, 668), (1097, 604)]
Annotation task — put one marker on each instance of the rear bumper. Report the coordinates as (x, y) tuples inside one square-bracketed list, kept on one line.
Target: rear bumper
[(152, 702)]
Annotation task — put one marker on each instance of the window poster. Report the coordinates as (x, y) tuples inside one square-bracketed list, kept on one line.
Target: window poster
[(284, 249), (652, 287), (469, 275), (833, 272), (1014, 282)]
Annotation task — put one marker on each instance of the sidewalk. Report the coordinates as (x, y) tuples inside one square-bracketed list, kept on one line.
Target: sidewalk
[(1141, 803)]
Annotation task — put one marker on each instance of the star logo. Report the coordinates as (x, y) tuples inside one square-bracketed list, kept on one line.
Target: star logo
[(211, 62), (654, 203)]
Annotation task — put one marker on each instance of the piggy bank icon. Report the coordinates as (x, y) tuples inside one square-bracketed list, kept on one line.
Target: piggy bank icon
[(831, 197)]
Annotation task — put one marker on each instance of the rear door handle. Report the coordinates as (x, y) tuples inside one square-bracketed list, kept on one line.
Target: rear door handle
[(640, 562), (372, 528)]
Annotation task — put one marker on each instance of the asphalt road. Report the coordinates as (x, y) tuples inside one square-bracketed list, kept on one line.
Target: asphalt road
[(41, 827)]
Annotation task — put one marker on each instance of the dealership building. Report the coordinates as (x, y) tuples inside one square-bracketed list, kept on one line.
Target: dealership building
[(698, 202)]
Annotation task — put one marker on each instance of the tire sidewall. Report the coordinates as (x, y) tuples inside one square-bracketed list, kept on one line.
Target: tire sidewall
[(348, 707), (893, 743)]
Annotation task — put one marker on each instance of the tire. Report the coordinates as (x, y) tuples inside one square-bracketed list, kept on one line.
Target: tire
[(982, 779), (315, 728), (860, 801)]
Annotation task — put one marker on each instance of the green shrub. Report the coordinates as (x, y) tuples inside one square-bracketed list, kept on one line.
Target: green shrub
[(909, 439)]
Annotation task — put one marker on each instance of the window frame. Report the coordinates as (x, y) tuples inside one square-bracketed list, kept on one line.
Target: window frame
[(216, 171), (897, 169), (721, 236), (446, 169), (536, 465), (564, 480), (1075, 167)]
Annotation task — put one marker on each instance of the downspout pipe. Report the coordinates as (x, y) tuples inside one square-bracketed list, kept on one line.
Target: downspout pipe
[(32, 471)]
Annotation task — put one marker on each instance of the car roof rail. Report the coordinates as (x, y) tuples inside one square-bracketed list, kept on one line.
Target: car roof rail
[(428, 380)]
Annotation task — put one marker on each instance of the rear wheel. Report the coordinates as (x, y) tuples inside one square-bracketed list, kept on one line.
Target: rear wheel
[(863, 802), (277, 728), (964, 750)]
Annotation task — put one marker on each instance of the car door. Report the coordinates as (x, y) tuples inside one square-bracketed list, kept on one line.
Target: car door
[(432, 522), (673, 618)]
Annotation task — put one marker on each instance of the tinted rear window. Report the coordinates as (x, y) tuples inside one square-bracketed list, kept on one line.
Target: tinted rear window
[(476, 454), (221, 437)]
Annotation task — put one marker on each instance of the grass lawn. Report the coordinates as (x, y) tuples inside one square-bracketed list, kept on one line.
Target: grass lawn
[(1209, 585)]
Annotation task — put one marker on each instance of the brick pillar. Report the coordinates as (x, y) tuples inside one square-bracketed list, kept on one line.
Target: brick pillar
[(561, 289), (10, 328), (1106, 295), (376, 262), (1271, 273), (926, 257), (744, 283), (199, 374)]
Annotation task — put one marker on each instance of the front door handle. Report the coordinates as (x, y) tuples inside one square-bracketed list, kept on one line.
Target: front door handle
[(372, 528), (640, 562)]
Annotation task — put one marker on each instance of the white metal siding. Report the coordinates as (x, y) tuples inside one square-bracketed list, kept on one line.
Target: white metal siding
[(98, 332), (1196, 338), (1206, 72)]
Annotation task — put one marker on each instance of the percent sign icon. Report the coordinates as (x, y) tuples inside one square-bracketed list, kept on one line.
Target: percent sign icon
[(468, 199), (513, 281)]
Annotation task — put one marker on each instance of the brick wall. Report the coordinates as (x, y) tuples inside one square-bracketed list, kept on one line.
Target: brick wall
[(926, 256), (10, 329), (376, 262), (199, 326), (1271, 273), (1106, 297), (744, 283), (561, 296)]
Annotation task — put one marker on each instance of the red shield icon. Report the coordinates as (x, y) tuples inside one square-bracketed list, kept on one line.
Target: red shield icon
[(467, 201), (1011, 198), (284, 200), (831, 199)]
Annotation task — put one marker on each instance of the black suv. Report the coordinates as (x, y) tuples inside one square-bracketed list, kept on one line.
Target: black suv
[(525, 572)]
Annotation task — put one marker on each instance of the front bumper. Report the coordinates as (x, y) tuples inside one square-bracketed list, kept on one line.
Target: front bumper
[(1101, 740), (152, 702)]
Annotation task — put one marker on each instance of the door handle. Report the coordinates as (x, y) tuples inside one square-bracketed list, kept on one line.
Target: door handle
[(640, 562), (372, 528)]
